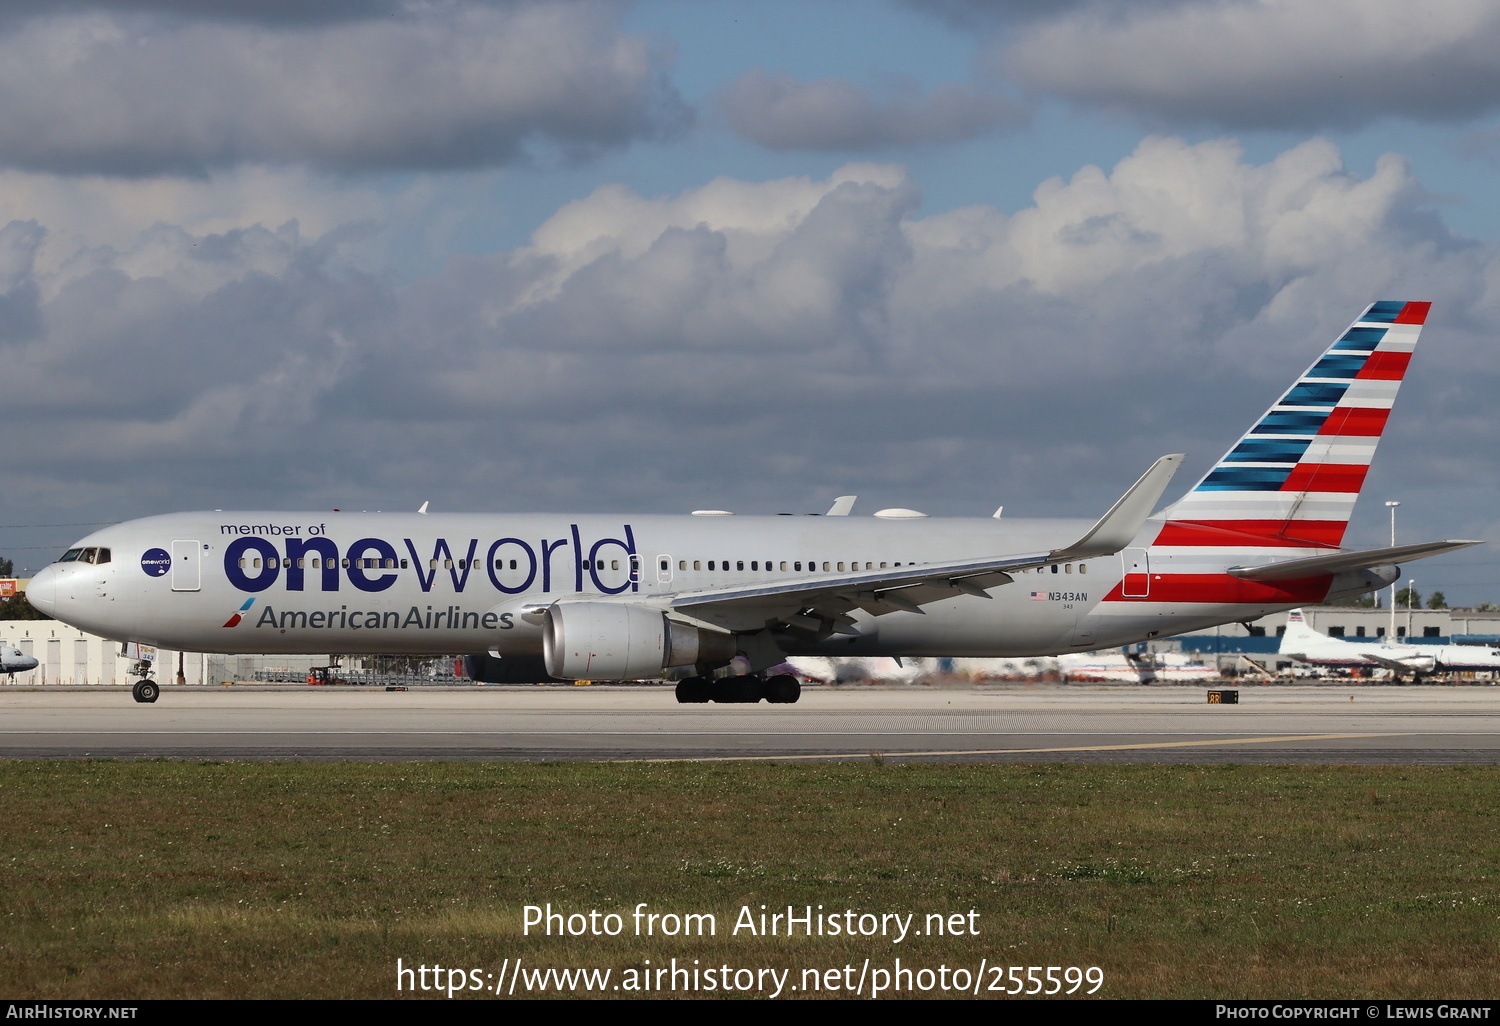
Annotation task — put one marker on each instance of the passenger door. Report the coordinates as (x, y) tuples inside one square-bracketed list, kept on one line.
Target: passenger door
[(1137, 583)]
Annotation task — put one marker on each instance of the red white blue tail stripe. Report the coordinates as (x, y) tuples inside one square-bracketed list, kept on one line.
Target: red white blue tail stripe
[(1292, 480)]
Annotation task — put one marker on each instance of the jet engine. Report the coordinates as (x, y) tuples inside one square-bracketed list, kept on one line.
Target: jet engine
[(619, 641)]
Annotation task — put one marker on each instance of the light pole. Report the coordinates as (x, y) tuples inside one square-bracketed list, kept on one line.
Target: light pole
[(1391, 634), (1411, 596)]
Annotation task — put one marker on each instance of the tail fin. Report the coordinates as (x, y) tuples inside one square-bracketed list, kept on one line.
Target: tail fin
[(1291, 481), (1298, 635), (1297, 626)]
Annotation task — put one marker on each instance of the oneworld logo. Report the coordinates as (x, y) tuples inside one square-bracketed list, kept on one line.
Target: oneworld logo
[(156, 562), (511, 565)]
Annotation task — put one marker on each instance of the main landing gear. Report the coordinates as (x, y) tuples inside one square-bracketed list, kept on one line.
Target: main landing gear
[(749, 688)]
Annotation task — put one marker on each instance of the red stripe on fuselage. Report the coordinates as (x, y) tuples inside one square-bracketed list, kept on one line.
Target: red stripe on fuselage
[(1385, 366), (1222, 589), (1326, 477), (1413, 313), (1253, 533), (1356, 420)]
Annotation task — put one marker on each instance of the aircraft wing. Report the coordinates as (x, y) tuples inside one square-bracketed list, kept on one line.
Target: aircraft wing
[(1395, 665), (1341, 562), (817, 603)]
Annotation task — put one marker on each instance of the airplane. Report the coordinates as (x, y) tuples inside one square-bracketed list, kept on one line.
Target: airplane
[(612, 597), (13, 660), (1305, 645)]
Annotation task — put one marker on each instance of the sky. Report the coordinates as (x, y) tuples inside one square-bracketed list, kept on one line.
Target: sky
[(594, 256)]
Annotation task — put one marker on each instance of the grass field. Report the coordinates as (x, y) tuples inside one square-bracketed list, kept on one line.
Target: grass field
[(176, 879)]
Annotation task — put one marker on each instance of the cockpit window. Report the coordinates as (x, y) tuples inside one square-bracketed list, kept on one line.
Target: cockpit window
[(71, 555), (102, 556)]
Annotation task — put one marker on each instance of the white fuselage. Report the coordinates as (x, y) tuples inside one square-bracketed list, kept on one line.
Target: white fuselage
[(263, 582)]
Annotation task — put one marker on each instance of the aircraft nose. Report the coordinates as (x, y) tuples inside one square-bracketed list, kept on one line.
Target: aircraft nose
[(42, 591)]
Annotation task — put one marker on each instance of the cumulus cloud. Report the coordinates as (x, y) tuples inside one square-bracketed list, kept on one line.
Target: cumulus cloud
[(751, 345), (1267, 63), (781, 112), (431, 86)]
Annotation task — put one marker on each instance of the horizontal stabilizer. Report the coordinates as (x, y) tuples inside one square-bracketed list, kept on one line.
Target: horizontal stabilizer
[(1342, 562)]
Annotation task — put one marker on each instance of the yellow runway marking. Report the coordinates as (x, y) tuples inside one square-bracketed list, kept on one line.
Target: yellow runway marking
[(1017, 751)]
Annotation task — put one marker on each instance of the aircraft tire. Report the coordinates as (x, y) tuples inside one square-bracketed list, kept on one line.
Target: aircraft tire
[(746, 689), (783, 689), (145, 691), (692, 690)]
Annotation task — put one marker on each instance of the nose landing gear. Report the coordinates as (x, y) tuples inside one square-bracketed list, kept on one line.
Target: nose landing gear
[(145, 689)]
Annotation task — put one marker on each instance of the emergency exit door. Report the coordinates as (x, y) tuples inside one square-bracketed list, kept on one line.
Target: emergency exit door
[(187, 563)]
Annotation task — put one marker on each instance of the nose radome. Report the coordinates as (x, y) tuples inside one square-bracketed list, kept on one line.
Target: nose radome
[(42, 591)]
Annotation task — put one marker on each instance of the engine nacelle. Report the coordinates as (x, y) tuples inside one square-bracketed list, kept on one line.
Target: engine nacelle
[(619, 641)]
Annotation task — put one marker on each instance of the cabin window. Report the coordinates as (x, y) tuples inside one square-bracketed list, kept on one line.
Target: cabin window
[(346, 564), (739, 564), (783, 565), (1054, 568), (447, 564), (1068, 568), (697, 564), (403, 564), (1083, 568), (665, 565), (317, 563), (798, 565), (432, 564), (825, 565), (299, 564), (614, 564), (754, 565), (681, 565)]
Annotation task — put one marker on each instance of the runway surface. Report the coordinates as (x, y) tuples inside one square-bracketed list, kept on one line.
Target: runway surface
[(1301, 724)]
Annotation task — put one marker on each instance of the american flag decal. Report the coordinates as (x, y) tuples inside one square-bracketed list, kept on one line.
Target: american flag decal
[(1039, 596)]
